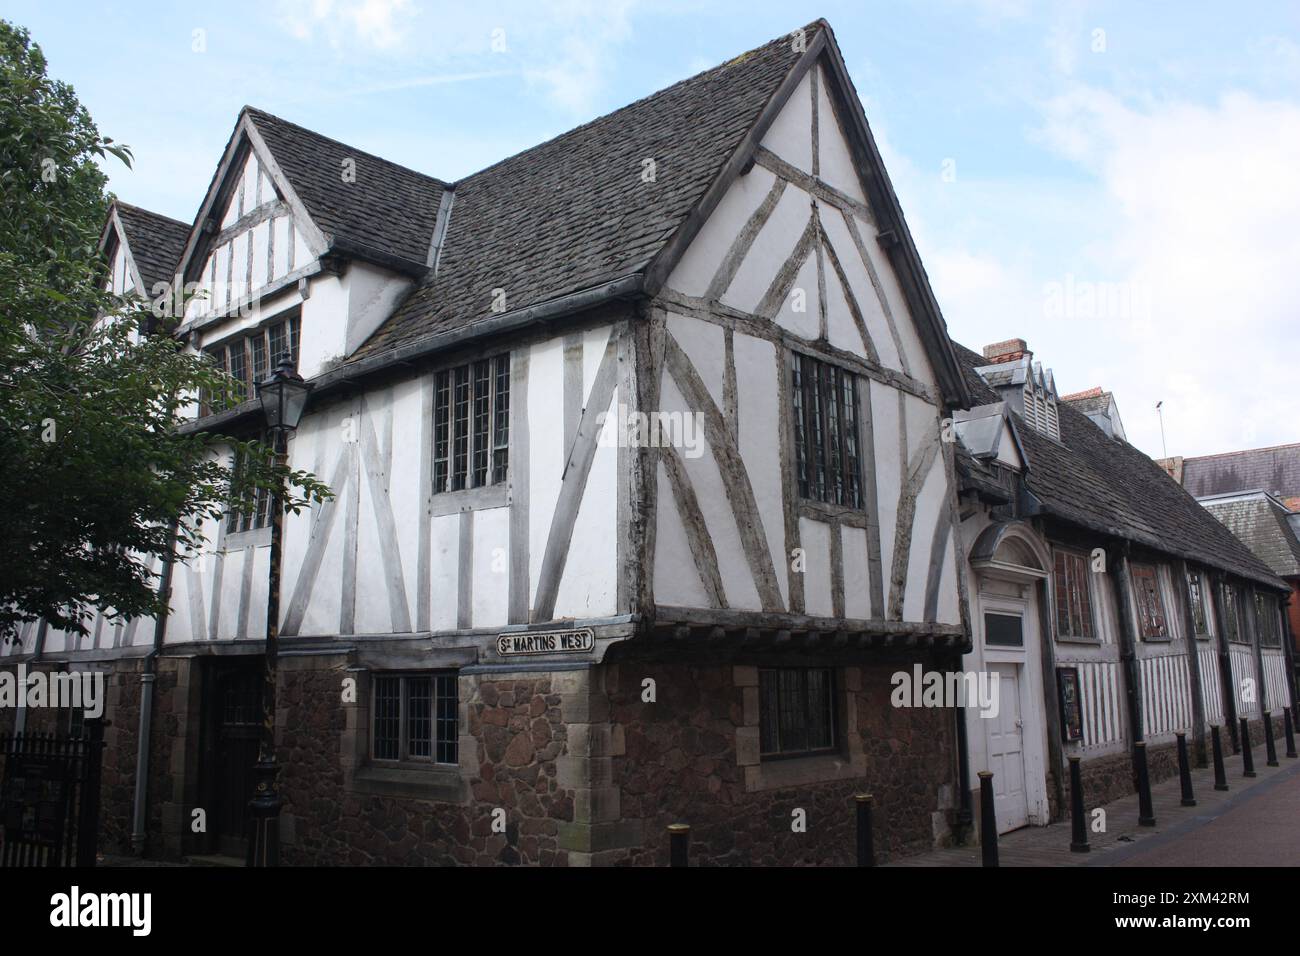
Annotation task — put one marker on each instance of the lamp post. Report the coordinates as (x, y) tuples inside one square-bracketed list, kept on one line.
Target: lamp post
[(283, 397)]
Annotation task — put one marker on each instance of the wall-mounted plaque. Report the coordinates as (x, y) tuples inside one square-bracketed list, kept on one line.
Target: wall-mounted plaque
[(1067, 692), (574, 641)]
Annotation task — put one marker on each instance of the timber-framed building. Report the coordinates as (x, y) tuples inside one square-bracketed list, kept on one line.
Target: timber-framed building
[(645, 487)]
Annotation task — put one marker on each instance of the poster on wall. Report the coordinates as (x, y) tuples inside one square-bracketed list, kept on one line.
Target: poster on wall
[(1067, 692)]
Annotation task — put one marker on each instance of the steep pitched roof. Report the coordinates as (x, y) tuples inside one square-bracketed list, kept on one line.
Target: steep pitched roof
[(388, 209), (1108, 486), (1275, 469), (155, 241), (1262, 524), (574, 213)]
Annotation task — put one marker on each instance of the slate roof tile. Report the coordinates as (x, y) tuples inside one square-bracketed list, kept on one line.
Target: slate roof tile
[(156, 243), (388, 208), (574, 212)]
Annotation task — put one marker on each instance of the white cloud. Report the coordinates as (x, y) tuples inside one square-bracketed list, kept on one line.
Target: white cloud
[(376, 24)]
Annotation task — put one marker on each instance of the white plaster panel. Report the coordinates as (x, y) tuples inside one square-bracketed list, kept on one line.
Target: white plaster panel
[(790, 135), (587, 587), (929, 506), (445, 567), (594, 342), (737, 579), (676, 578), (261, 232), (898, 304), (546, 452), (815, 539), (857, 575), (491, 567), (772, 247), (806, 321), (864, 292), (884, 405), (835, 158), (759, 413), (698, 265), (703, 345)]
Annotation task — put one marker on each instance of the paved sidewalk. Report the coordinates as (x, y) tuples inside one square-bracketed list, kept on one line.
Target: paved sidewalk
[(1123, 839)]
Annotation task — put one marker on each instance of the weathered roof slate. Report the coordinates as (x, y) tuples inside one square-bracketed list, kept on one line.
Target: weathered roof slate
[(155, 241), (1260, 521), (1275, 470), (1107, 485), (575, 213), (388, 209)]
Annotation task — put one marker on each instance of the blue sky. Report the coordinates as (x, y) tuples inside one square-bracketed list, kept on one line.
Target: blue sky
[(1117, 183)]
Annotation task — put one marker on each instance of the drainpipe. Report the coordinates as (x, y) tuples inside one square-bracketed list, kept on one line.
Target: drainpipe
[(147, 680), (38, 651), (965, 815)]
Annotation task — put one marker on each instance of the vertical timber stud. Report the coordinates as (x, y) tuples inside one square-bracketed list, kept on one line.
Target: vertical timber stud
[(866, 845), (1118, 560), (1193, 662), (1247, 758), (1270, 745), (1185, 773), (988, 821), (679, 844), (1220, 775), (1227, 689), (1078, 825), (1146, 813), (1289, 728)]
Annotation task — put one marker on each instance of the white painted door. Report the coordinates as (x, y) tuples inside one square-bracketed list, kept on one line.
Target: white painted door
[(1007, 751)]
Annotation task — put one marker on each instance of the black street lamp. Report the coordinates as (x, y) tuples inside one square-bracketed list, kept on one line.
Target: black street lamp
[(283, 397)]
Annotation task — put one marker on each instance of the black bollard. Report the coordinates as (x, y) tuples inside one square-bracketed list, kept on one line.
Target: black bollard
[(1185, 772), (1290, 732), (988, 820), (1220, 775), (866, 846), (679, 844), (1146, 813), (1078, 825), (1270, 745), (1247, 758)]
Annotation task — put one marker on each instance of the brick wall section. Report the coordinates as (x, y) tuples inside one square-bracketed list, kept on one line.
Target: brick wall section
[(512, 736), (680, 764)]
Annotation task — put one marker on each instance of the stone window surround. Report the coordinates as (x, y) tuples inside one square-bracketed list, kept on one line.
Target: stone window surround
[(850, 763), (439, 783)]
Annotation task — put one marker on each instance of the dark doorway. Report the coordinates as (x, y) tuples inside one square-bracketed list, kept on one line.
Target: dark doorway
[(233, 718)]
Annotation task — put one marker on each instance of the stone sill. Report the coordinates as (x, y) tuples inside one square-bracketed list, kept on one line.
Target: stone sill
[(437, 784), (802, 771)]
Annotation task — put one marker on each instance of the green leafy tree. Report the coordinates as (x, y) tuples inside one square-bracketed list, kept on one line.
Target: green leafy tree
[(97, 483)]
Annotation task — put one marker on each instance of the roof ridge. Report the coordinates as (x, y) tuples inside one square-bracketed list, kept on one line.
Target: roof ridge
[(255, 112), (818, 24), (149, 212)]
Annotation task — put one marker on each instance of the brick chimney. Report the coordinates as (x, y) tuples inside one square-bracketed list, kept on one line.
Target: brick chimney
[(1009, 351)]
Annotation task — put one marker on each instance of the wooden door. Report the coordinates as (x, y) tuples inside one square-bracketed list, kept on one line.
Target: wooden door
[(1007, 751)]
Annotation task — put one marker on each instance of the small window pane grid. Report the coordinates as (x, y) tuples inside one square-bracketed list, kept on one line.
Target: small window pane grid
[(1199, 620), (1266, 622), (1150, 606), (249, 359), (796, 711), (1073, 602), (471, 425), (1004, 630), (825, 408), (260, 514), (414, 718)]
